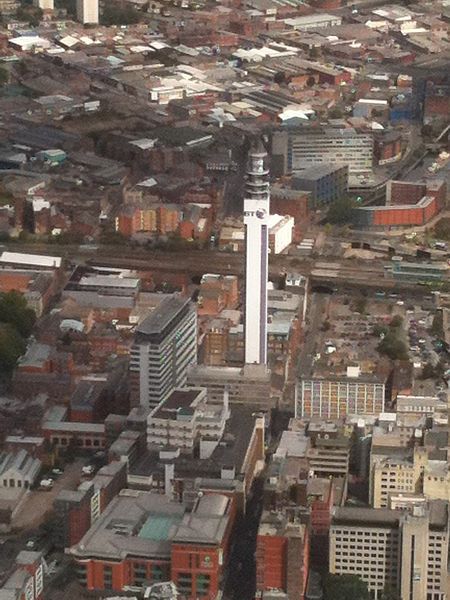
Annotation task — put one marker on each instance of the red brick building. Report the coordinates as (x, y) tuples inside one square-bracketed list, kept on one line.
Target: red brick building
[(321, 501), (437, 101), (78, 510), (282, 555), (217, 293), (407, 204), (388, 148), (89, 436), (296, 203), (27, 580), (144, 538)]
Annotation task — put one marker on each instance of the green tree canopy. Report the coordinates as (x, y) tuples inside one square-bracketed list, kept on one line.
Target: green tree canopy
[(12, 346), (116, 15), (396, 322), (345, 587), (15, 312), (3, 76), (340, 211), (437, 328), (442, 229), (31, 14), (393, 346)]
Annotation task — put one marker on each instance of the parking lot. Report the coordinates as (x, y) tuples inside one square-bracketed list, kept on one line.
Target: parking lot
[(39, 503)]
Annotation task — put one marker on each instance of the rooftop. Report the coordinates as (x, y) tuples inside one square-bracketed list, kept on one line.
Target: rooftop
[(31, 260), (162, 316), (36, 355), (144, 524), (316, 172), (182, 400), (385, 517)]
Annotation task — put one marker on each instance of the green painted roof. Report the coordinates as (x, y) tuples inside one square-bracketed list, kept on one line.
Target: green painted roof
[(157, 527)]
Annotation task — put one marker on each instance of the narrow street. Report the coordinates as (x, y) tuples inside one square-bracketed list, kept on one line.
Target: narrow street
[(241, 579)]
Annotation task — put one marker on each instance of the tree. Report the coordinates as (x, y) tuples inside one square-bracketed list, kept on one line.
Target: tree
[(11, 347), (396, 322), (389, 593), (379, 330), (116, 15), (361, 305), (345, 587), (70, 6), (428, 371), (442, 229), (341, 211), (392, 346), (31, 14), (437, 327), (336, 113), (326, 326), (4, 76), (15, 312)]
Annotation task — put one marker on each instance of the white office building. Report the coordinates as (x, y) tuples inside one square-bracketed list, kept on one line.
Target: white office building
[(403, 550), (165, 345)]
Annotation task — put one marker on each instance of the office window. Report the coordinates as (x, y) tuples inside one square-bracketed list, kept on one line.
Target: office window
[(139, 573), (184, 583), (81, 573), (202, 584), (107, 577), (157, 573)]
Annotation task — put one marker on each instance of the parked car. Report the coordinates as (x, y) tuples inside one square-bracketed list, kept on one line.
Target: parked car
[(88, 470), (46, 484)]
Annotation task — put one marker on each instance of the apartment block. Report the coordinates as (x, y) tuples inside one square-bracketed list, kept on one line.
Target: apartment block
[(395, 475), (165, 345), (403, 550)]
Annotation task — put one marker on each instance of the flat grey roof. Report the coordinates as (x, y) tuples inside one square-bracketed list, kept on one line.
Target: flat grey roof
[(115, 534), (74, 426), (387, 517), (317, 172), (162, 315), (366, 516), (179, 400), (138, 523)]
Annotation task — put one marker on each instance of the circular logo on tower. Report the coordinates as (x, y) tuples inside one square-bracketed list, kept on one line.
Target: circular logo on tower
[(261, 213)]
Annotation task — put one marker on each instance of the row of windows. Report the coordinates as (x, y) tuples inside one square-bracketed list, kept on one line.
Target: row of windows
[(86, 442), (12, 483), (185, 582), (359, 534)]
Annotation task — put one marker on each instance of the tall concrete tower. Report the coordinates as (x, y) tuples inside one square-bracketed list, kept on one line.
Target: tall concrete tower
[(256, 215)]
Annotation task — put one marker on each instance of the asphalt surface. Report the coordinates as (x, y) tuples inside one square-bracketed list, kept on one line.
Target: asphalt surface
[(241, 577), (318, 305), (39, 504)]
